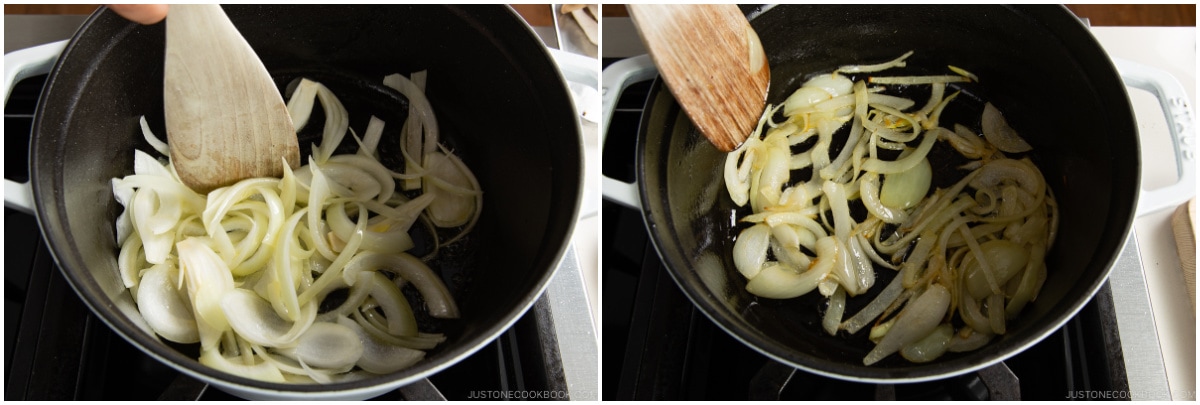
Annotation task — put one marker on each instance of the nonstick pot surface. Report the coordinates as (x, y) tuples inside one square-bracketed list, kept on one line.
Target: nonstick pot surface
[(500, 102), (1037, 64)]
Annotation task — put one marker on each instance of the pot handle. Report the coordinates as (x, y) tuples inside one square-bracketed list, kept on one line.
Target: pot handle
[(1178, 110), (582, 77), (20, 65), (616, 78)]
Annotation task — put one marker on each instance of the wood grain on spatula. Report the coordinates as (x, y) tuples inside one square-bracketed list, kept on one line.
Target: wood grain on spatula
[(225, 119), (712, 61)]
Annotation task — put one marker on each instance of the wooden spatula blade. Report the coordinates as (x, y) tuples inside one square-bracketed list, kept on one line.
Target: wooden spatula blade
[(712, 61), (225, 119)]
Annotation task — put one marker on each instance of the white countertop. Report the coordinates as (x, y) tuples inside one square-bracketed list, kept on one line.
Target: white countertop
[(1172, 49)]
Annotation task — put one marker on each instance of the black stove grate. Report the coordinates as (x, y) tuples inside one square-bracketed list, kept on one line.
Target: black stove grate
[(56, 349), (658, 345)]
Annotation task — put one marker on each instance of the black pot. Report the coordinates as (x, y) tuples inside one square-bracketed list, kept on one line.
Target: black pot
[(1038, 64), (500, 101)]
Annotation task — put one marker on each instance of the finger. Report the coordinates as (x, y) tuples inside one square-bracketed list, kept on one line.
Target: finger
[(141, 13)]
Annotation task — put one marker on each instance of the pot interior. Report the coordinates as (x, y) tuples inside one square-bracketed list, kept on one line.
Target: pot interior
[(1039, 65), (501, 106)]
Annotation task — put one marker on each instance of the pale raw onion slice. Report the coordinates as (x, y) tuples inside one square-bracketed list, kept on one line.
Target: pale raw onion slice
[(262, 371), (255, 320), (750, 249), (327, 345), (997, 131), (380, 357), (804, 97), (834, 84), (450, 209), (437, 296), (208, 279), (400, 318), (165, 308)]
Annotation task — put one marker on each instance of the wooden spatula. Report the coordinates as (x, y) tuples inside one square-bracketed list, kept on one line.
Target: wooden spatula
[(712, 61), (225, 119)]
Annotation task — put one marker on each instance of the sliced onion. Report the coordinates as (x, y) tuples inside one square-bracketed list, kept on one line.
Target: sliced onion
[(833, 314), (804, 97), (238, 231), (995, 309), (860, 264), (1003, 258), (839, 204), (875, 307), (451, 209), (400, 318), (263, 371), (389, 240), (423, 341), (968, 310), (869, 193), (898, 62), (780, 282), (328, 345), (897, 103), (255, 320), (153, 140), (165, 308), (437, 297), (917, 79), (750, 249), (774, 173), (789, 255), (834, 84), (371, 138), (907, 188), (930, 347), (915, 322), (208, 280), (967, 340), (380, 357), (905, 163), (1029, 283), (997, 131), (789, 214), (130, 262), (737, 180), (999, 171), (418, 104)]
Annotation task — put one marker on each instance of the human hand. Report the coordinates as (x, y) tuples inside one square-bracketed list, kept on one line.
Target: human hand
[(141, 13)]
